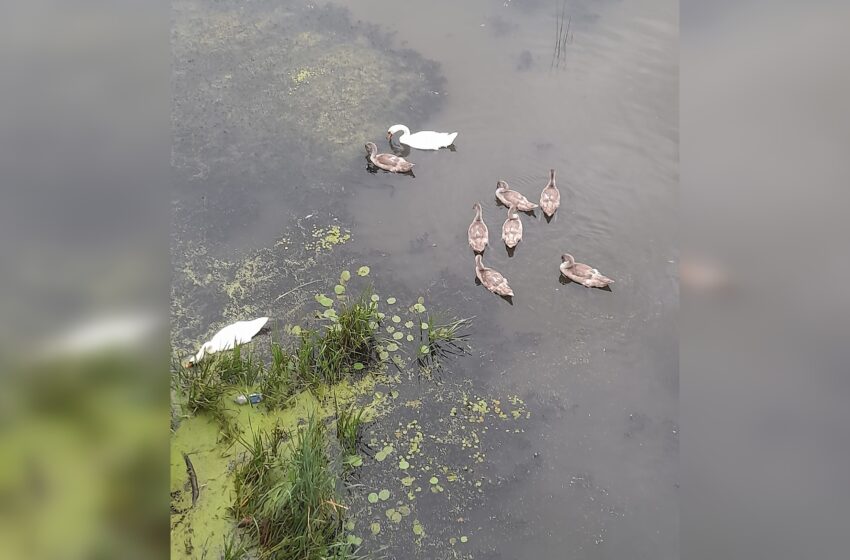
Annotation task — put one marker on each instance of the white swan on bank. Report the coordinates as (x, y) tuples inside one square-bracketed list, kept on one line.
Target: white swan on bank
[(422, 140), (240, 332)]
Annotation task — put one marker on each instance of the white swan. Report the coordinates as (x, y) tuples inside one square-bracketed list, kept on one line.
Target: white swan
[(422, 140), (230, 336)]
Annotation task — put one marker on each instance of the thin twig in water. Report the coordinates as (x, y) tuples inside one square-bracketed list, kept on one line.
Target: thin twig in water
[(193, 478), (304, 285)]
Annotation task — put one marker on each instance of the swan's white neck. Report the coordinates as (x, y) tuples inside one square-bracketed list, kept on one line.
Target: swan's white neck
[(400, 128)]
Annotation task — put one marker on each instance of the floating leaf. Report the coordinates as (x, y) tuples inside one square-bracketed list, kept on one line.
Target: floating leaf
[(419, 308), (354, 539), (398, 335), (354, 460), (408, 480), (424, 326), (409, 324), (396, 319), (296, 330), (384, 495), (373, 325), (363, 271), (380, 456), (381, 315), (389, 513), (375, 298), (420, 300), (417, 528), (329, 314), (452, 541), (390, 329), (403, 465), (349, 525), (358, 366), (339, 289), (464, 538), (388, 449), (373, 498), (434, 480), (324, 300), (423, 349), (375, 527), (404, 510), (391, 300), (392, 347), (395, 517), (344, 276), (410, 338), (384, 355)]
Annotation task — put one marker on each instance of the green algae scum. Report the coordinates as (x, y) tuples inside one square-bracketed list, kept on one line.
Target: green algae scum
[(277, 479)]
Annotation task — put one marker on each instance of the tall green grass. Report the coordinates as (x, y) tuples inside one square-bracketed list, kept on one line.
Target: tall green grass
[(286, 496)]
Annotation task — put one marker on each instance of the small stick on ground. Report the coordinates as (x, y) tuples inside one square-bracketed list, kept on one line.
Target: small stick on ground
[(193, 478)]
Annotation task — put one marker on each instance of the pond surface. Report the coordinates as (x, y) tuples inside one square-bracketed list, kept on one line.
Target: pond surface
[(594, 474)]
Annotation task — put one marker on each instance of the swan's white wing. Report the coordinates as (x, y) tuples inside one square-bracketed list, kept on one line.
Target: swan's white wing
[(430, 140), (240, 332)]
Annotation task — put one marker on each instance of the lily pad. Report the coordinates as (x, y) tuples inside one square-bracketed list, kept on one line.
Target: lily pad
[(354, 460), (392, 347), (354, 539), (372, 497), (403, 465), (384, 355), (324, 300), (363, 271), (380, 456), (398, 335), (329, 314), (409, 324), (384, 495), (409, 338), (296, 330), (339, 289), (424, 326), (396, 319), (419, 308), (464, 538), (423, 349), (391, 300), (344, 276), (404, 510), (375, 528), (408, 480), (395, 517), (375, 298), (418, 529), (358, 366), (434, 480)]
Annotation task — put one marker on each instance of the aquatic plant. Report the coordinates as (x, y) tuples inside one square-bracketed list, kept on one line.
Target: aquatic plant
[(441, 340), (277, 385), (286, 498), (348, 423), (201, 385)]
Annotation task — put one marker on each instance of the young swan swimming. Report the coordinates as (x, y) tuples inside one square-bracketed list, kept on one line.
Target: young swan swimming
[(583, 274), (388, 162), (492, 279), (508, 197), (550, 198), (512, 228), (423, 140), (479, 236)]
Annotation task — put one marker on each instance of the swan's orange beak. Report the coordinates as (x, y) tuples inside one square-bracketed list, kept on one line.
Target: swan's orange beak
[(389, 135)]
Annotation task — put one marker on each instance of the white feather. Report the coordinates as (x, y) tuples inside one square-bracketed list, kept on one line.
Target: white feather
[(231, 336)]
